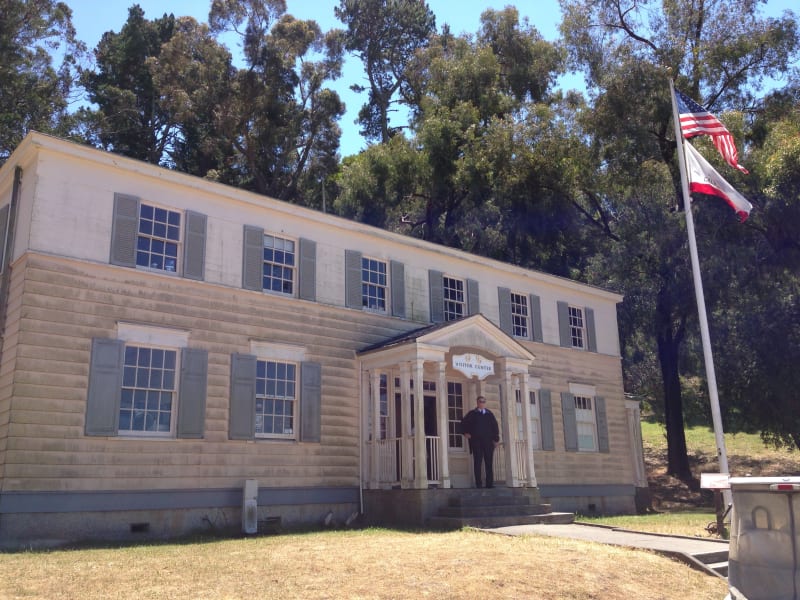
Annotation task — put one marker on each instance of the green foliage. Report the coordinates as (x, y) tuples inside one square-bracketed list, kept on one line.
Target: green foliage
[(34, 88)]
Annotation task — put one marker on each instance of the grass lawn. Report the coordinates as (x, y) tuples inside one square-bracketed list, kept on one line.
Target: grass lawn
[(372, 563)]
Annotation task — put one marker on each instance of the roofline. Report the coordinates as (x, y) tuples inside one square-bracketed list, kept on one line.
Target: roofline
[(35, 139)]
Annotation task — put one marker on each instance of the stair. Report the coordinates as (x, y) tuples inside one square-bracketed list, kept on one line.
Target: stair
[(714, 561), (496, 507)]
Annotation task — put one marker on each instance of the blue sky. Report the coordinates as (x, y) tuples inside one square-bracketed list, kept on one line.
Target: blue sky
[(92, 18)]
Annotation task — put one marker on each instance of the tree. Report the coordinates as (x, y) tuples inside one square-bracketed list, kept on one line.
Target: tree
[(34, 93), (720, 57), (385, 35), (284, 121), (130, 118)]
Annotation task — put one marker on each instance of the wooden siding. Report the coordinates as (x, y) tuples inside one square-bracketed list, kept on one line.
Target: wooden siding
[(64, 304)]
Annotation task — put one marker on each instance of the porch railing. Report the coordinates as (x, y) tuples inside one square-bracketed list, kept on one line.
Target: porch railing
[(390, 460)]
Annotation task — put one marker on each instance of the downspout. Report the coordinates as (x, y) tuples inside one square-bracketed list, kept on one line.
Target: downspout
[(360, 439), (5, 278)]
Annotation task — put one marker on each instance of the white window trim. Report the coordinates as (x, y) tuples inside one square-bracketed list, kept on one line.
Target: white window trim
[(528, 323), (584, 334), (588, 391), (463, 303), (294, 436), (179, 258), (285, 353), (295, 267), (387, 292), (148, 335), (134, 334)]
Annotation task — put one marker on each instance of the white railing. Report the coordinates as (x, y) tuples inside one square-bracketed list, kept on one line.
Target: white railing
[(499, 463), (432, 457), (390, 460), (521, 457)]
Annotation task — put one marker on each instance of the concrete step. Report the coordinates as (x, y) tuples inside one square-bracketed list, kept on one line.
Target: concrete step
[(494, 496), (719, 567), (712, 557), (491, 521), (494, 510)]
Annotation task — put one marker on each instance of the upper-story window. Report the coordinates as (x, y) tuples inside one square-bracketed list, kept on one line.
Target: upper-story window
[(373, 284), (158, 238), (577, 327), (279, 264), (519, 315), (454, 298)]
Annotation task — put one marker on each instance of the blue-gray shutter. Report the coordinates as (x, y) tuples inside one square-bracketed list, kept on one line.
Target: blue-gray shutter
[(105, 387), (570, 423), (504, 304), (563, 325), (398, 275), (546, 420), (602, 424), (242, 419), (473, 298), (194, 247), (193, 388), (352, 279), (253, 258), (307, 286), (436, 292), (536, 318), (310, 402), (591, 336), (124, 230)]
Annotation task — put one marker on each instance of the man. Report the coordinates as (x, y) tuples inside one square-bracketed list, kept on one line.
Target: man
[(480, 428)]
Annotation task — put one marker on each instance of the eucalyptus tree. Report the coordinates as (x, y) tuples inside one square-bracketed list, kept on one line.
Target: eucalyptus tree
[(284, 119), (37, 69), (385, 35), (719, 52)]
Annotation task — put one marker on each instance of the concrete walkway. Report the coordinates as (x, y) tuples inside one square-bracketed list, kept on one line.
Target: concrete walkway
[(708, 555)]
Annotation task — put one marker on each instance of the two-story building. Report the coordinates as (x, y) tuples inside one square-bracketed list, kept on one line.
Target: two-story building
[(166, 340)]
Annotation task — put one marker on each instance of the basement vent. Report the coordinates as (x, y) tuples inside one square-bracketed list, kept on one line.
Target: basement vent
[(140, 527)]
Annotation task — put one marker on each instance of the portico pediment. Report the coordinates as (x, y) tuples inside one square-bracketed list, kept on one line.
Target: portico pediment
[(475, 333)]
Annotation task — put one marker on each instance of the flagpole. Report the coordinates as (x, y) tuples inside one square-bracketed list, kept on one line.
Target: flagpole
[(711, 376)]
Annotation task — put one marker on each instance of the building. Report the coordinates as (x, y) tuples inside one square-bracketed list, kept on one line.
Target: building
[(168, 342)]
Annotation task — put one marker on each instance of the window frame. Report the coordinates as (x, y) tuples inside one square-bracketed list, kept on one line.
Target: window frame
[(577, 326), (449, 303), (367, 285), (586, 416), (272, 264), (295, 398), (534, 415), (173, 412), (179, 243), (455, 413), (520, 321)]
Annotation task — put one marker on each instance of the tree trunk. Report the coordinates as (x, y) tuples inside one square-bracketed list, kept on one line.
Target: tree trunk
[(669, 338)]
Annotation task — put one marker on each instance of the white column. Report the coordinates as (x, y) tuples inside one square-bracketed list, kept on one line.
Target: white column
[(509, 428), (524, 394), (375, 380), (444, 437), (420, 465), (407, 441)]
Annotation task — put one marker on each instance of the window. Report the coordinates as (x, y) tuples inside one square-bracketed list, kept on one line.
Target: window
[(279, 265), (158, 238), (148, 390), (276, 395), (455, 412), (533, 413), (577, 329), (373, 284), (519, 315), (586, 425), (454, 299), (384, 407)]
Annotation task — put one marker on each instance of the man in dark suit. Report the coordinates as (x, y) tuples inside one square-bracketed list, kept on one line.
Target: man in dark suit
[(479, 426)]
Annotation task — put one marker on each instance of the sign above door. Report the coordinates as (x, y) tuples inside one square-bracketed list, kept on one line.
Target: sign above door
[(473, 365)]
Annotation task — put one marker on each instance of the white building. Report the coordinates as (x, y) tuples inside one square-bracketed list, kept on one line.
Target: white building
[(165, 339)]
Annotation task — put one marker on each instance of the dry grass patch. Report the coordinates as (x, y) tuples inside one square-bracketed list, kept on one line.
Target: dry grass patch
[(357, 564)]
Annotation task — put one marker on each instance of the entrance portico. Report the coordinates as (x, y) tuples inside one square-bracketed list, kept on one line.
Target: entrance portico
[(417, 387)]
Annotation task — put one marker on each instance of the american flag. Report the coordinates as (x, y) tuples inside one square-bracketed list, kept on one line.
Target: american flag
[(696, 120)]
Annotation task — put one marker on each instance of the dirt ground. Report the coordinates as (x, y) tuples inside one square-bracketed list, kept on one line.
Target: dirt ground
[(670, 493)]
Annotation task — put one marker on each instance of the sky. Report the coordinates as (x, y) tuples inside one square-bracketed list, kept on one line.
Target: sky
[(92, 18)]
